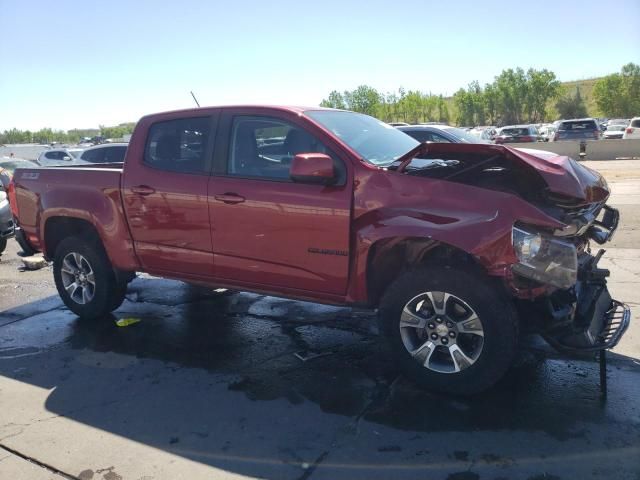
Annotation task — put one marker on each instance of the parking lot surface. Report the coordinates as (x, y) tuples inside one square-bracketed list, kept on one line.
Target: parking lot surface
[(235, 385)]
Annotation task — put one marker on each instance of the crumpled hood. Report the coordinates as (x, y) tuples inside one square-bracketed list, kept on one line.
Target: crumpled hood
[(564, 175)]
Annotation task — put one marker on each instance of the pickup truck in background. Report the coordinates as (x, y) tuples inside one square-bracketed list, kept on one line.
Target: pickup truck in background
[(460, 247)]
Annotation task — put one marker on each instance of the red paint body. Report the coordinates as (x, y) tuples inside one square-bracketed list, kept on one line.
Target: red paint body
[(306, 241)]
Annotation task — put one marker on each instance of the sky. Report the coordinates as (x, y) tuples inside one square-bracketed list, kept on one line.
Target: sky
[(78, 64)]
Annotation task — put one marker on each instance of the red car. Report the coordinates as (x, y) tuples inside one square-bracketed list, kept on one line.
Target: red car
[(460, 247), (516, 134)]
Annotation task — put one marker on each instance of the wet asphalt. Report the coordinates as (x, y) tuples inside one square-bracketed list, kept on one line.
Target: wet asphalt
[(214, 378), (221, 384)]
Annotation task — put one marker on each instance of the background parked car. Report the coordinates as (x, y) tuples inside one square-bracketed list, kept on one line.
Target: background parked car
[(105, 153), (516, 134), (577, 129), (546, 132), (486, 133), (613, 131), (440, 134), (10, 164), (58, 157), (7, 228), (7, 167), (633, 130), (618, 121)]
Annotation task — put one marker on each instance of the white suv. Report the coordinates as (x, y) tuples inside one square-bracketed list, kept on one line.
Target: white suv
[(633, 130)]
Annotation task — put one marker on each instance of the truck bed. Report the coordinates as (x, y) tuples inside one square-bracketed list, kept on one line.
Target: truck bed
[(80, 191)]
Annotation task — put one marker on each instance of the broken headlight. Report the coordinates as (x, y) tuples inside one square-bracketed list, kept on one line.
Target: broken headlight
[(544, 258)]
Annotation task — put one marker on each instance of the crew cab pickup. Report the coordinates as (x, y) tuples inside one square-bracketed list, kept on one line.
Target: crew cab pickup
[(459, 247)]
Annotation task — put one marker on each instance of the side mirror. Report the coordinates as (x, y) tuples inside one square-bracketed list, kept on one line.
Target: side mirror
[(312, 168)]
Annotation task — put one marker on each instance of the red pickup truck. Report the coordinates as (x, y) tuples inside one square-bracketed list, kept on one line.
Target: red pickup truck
[(460, 247)]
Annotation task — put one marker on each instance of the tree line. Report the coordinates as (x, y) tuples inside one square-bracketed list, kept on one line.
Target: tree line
[(47, 135), (514, 97)]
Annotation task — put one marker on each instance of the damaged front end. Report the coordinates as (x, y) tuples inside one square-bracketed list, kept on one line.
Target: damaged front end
[(551, 271), (577, 314)]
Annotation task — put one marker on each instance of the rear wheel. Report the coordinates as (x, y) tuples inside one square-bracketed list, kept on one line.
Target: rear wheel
[(451, 330), (3, 245), (85, 278)]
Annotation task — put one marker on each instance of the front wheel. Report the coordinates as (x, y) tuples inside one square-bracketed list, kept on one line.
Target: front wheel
[(85, 278), (452, 330), (3, 245)]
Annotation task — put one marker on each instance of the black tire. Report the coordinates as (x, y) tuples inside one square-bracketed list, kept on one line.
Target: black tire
[(484, 296), (108, 294), (24, 245), (3, 245)]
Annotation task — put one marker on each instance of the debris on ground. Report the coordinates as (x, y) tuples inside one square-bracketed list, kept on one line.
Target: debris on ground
[(125, 322), (307, 355), (35, 262)]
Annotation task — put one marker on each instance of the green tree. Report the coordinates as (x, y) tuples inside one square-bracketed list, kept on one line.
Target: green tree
[(491, 103), (572, 106), (511, 92), (463, 100), (117, 131), (443, 110), (364, 99), (335, 100), (618, 95), (542, 86)]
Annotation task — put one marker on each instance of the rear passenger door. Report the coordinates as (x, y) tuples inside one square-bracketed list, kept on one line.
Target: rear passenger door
[(266, 229), (165, 197)]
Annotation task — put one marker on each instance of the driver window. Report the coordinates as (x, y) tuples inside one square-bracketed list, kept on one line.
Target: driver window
[(263, 147)]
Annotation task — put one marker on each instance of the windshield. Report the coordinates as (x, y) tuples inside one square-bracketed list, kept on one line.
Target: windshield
[(463, 135), (375, 141)]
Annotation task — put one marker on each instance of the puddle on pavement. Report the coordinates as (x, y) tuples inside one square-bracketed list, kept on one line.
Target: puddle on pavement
[(249, 342)]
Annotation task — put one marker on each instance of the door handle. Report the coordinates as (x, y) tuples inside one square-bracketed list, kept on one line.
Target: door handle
[(143, 190), (229, 198)]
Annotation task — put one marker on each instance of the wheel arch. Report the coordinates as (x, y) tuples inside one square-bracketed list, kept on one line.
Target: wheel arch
[(58, 228), (389, 257)]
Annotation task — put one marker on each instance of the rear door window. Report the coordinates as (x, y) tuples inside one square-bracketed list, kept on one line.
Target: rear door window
[(178, 145)]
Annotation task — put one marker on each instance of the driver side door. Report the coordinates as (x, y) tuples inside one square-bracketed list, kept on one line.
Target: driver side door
[(266, 229)]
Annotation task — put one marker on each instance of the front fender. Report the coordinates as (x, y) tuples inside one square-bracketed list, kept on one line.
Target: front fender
[(473, 220)]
